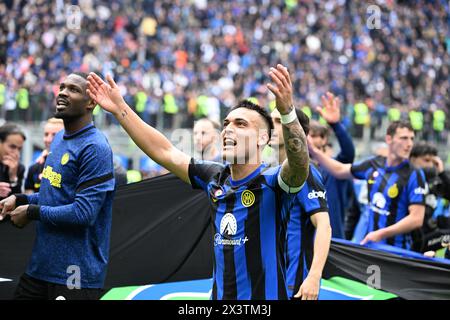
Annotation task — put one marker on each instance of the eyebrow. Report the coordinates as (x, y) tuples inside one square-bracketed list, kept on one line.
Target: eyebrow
[(226, 120), (240, 119)]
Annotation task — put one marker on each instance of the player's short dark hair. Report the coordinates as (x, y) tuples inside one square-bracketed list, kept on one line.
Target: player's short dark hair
[(392, 128), (9, 129), (303, 119), (423, 149), (263, 112), (83, 75)]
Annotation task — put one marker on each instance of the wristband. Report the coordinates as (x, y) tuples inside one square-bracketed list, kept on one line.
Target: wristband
[(290, 117), (21, 199), (34, 212)]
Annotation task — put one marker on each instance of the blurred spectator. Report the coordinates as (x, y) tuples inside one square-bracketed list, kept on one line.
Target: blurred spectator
[(176, 51), (425, 156), (34, 175), (120, 174), (150, 168), (11, 170), (206, 140)]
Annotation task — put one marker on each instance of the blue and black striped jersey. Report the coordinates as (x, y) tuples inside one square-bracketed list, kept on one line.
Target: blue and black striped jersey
[(300, 230), (249, 225), (391, 190)]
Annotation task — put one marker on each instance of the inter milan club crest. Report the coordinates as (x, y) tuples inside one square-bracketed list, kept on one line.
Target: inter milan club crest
[(393, 191), (247, 198)]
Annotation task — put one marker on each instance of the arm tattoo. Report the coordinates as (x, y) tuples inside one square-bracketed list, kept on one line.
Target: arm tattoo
[(124, 113), (295, 170)]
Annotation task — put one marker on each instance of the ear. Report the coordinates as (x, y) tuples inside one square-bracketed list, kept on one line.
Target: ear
[(388, 139), (263, 138), (91, 105)]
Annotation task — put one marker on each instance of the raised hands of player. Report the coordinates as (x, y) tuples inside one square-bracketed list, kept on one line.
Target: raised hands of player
[(7, 206), (330, 109), (106, 94), (282, 88)]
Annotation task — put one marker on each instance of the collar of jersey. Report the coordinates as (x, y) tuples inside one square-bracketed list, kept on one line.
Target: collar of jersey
[(77, 133), (247, 178), (403, 163)]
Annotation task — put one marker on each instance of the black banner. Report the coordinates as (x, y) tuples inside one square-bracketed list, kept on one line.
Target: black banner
[(161, 233), (15, 251), (406, 274)]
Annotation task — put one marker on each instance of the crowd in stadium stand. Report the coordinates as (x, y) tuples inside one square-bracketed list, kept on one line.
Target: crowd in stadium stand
[(197, 58)]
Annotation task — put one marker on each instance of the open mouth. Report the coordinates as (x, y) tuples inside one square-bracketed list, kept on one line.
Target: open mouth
[(228, 142), (61, 104)]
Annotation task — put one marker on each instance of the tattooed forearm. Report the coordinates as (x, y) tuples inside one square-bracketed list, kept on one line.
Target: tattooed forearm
[(124, 113), (296, 167)]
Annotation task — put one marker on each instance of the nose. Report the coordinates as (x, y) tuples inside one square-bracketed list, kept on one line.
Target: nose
[(62, 93), (228, 128), (411, 142)]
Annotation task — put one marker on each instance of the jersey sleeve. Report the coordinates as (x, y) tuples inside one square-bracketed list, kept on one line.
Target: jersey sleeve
[(347, 153), (313, 195), (360, 170), (417, 188), (202, 172)]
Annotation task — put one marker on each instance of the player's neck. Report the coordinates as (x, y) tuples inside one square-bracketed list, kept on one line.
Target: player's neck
[(74, 125), (240, 171), (393, 161)]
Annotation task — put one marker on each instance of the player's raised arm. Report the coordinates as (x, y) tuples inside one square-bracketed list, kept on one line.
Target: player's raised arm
[(337, 169), (295, 168), (147, 138)]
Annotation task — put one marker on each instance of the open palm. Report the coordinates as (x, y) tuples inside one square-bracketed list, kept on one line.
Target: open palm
[(330, 109), (107, 95)]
